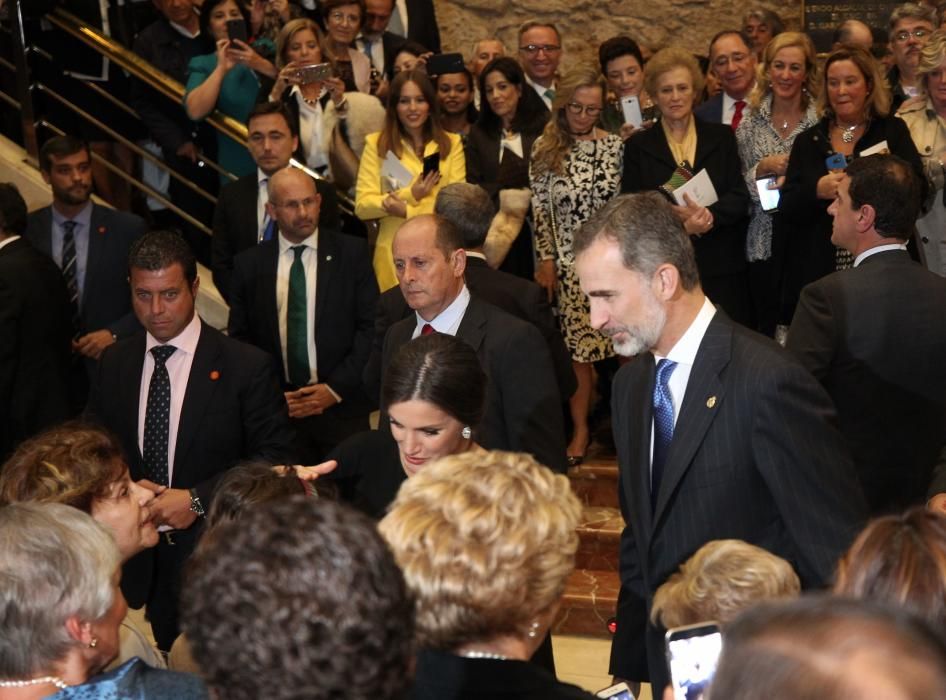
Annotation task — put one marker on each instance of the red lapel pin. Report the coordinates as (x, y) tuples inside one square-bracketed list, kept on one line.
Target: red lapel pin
[(101, 230), (214, 375)]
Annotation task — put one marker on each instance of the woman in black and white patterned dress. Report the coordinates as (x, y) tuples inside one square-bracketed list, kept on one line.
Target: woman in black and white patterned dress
[(575, 169)]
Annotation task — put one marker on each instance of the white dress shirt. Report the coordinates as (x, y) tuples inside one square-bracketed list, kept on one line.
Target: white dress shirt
[(178, 366), (262, 196), (311, 130), (513, 143), (448, 320), (310, 262), (377, 51), (7, 241), (684, 354), (729, 107), (878, 249), (540, 91)]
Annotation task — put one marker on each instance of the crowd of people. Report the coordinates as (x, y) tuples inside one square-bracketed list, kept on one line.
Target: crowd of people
[(522, 227)]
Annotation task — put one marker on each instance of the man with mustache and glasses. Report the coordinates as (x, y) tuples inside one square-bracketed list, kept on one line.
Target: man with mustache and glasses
[(720, 434), (307, 297), (90, 244), (910, 27)]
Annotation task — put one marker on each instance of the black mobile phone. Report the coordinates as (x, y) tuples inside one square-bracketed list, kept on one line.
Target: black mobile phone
[(431, 163), (236, 29), (444, 63), (692, 654), (768, 196)]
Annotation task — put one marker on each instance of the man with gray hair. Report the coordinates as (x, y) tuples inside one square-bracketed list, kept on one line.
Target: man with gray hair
[(720, 434), (853, 32), (910, 27)]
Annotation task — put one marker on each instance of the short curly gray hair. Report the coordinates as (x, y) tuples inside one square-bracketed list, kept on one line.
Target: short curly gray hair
[(56, 562)]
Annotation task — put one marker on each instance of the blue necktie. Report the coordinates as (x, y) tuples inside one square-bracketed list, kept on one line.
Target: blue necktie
[(270, 230), (663, 426)]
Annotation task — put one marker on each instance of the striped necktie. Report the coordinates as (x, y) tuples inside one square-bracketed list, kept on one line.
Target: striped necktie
[(69, 271)]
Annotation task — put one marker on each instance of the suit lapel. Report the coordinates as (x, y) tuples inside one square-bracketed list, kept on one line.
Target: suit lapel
[(704, 146), (269, 263), (324, 276), (95, 252), (656, 146), (472, 329), (130, 396), (701, 404), (640, 419), (201, 385), (44, 232), (246, 206)]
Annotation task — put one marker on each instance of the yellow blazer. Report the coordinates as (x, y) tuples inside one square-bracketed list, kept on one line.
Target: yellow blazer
[(369, 195)]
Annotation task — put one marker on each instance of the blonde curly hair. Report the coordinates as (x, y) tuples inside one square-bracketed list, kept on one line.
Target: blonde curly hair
[(486, 542)]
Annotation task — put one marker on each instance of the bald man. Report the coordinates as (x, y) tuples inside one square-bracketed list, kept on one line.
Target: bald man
[(308, 296), (853, 32)]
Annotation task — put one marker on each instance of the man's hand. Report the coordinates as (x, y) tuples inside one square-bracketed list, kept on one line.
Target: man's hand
[(156, 489), (93, 344), (309, 400), (172, 507), (187, 150)]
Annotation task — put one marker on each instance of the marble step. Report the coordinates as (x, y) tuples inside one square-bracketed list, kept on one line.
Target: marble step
[(588, 604), (599, 535), (596, 482)]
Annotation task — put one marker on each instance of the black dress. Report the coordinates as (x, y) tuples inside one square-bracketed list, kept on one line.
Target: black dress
[(369, 471), (444, 676)]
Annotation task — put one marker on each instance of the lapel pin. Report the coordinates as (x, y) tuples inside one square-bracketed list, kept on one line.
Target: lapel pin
[(214, 375), (328, 257), (101, 230), (710, 402)]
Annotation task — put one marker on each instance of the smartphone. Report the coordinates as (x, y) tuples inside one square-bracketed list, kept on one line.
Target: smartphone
[(313, 73), (618, 691), (431, 163), (692, 654), (631, 106), (236, 29), (768, 196), (836, 161), (443, 63)]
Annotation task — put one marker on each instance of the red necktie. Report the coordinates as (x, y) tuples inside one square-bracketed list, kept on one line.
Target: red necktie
[(737, 115), (427, 329)]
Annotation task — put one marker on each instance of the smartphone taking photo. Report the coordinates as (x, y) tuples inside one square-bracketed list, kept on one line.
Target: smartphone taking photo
[(692, 654), (431, 163), (631, 107), (768, 195), (236, 30)]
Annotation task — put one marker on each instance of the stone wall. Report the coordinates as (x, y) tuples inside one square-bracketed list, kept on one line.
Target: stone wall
[(586, 23)]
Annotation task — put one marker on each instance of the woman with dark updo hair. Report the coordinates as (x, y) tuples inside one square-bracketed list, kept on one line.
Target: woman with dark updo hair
[(433, 397)]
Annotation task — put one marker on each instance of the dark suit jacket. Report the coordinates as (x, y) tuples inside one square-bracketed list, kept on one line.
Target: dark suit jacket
[(235, 227), (233, 410), (106, 298), (482, 158), (512, 294), (712, 110), (875, 336), (345, 298), (754, 456), (523, 406), (648, 164), (422, 24), (35, 344)]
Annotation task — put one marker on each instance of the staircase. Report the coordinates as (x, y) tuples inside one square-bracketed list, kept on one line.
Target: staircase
[(591, 593)]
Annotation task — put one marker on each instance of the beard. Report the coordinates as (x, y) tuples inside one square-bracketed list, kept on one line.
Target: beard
[(74, 195), (644, 335)]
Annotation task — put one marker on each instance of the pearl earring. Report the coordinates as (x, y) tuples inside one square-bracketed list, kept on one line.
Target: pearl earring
[(466, 433), (94, 643), (534, 630)]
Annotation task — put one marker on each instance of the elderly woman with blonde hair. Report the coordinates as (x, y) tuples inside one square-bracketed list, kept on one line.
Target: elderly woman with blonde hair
[(925, 116), (723, 578), (486, 542)]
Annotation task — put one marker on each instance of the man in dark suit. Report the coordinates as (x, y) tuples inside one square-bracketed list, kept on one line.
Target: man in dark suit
[(321, 331), (379, 45), (523, 407), (875, 336), (35, 332), (240, 219), (417, 21), (720, 433), (733, 62), (187, 403), (540, 51), (469, 208), (90, 243)]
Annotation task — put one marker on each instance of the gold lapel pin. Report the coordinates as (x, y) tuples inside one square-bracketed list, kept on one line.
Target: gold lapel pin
[(711, 401)]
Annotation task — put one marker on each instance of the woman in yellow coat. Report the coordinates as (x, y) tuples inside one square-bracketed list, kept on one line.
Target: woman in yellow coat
[(394, 194)]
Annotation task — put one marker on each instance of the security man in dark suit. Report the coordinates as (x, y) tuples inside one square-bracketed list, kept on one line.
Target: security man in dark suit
[(308, 298), (523, 405), (187, 403), (240, 219), (35, 332), (470, 209), (720, 433), (875, 335)]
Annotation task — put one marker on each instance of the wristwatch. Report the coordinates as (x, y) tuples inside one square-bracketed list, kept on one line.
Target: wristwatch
[(196, 506)]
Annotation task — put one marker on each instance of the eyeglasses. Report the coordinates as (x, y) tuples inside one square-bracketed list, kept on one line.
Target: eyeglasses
[(903, 36), (533, 49), (340, 17), (577, 109)]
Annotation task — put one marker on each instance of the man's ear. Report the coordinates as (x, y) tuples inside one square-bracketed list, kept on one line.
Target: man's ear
[(665, 282), (866, 216), (459, 262)]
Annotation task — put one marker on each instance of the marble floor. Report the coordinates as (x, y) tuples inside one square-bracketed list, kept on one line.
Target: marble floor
[(584, 662)]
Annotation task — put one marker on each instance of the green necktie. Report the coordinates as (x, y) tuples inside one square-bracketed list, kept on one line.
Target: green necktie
[(297, 340), (550, 93)]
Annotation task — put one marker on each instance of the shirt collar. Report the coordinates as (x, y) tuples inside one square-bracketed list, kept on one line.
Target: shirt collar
[(10, 240), (84, 217), (186, 340), (539, 88), (474, 254), (878, 249), (260, 176), (447, 318), (310, 242), (184, 31), (685, 349)]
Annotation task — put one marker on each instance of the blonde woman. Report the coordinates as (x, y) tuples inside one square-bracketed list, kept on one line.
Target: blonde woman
[(486, 541), (782, 106), (925, 116), (575, 169)]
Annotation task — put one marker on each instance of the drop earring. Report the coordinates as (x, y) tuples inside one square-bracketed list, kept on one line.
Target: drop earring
[(94, 642), (534, 629)]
